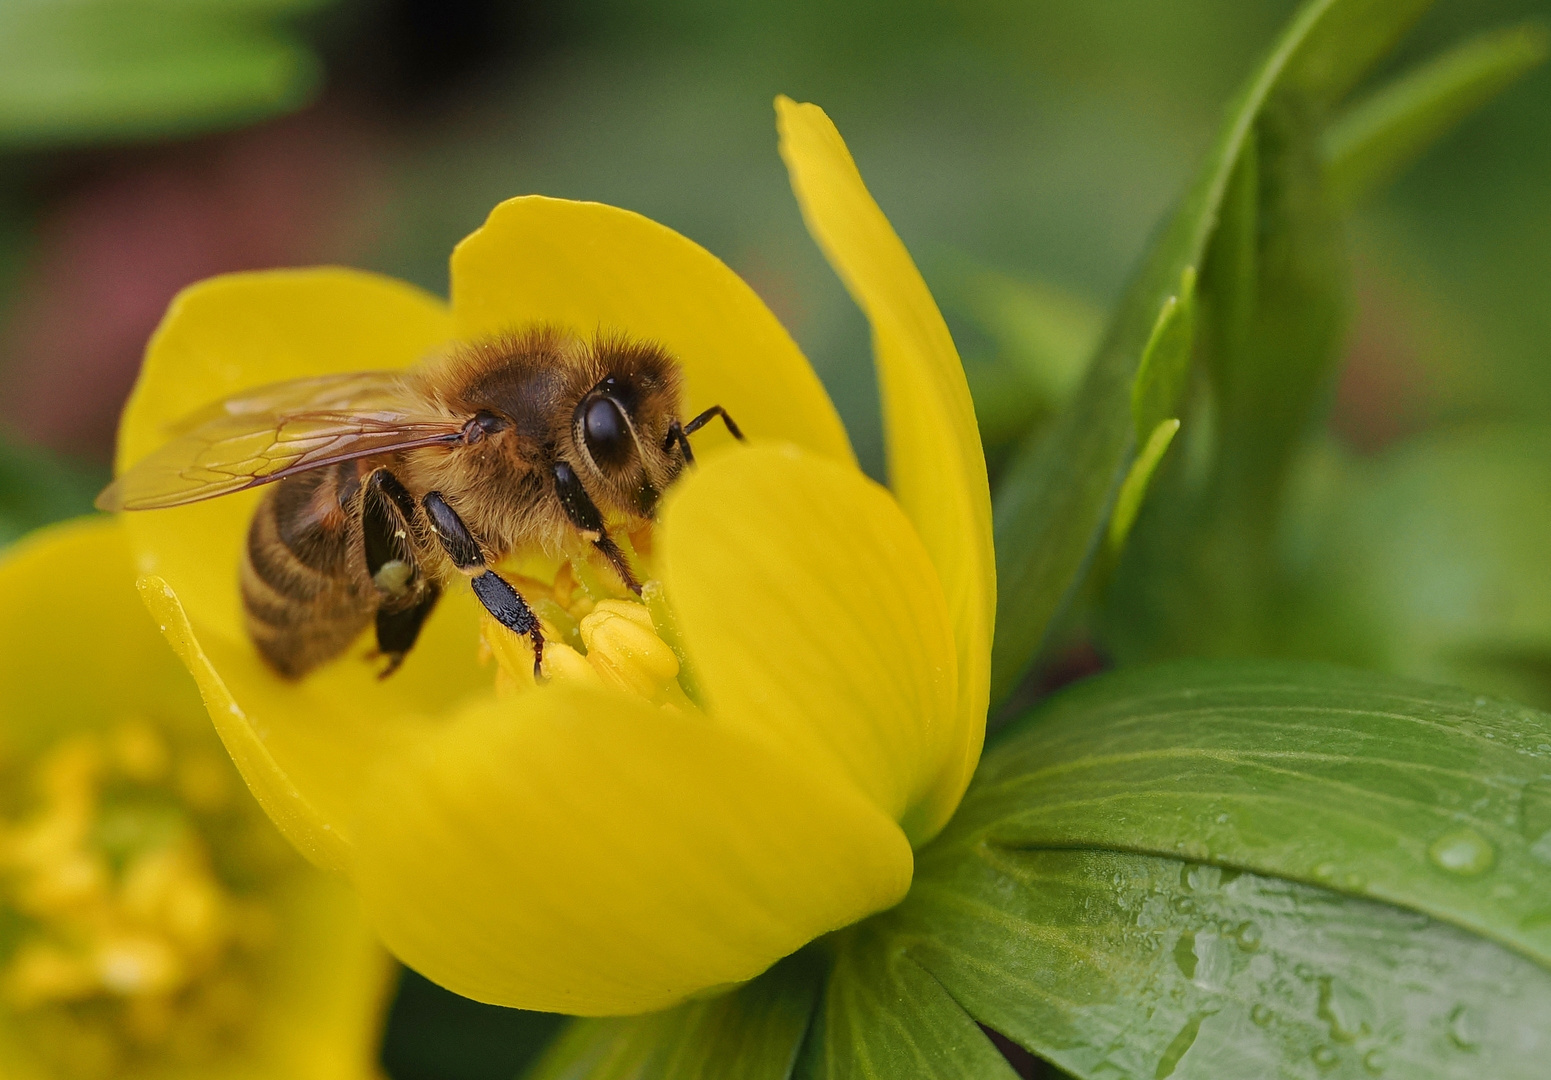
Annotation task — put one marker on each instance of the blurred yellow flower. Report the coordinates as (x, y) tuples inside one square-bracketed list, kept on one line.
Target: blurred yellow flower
[(704, 783), (154, 924)]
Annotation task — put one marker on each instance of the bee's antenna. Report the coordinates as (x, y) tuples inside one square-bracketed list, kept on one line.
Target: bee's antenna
[(680, 434)]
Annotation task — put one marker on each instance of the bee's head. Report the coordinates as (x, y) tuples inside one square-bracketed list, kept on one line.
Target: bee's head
[(620, 426)]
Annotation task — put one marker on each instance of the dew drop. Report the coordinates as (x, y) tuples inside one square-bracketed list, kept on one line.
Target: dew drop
[(1185, 954), (1326, 1058), (1261, 1014), (1248, 936), (1343, 1009), (1375, 1061), (1464, 1032), (1462, 851), (1178, 1047)]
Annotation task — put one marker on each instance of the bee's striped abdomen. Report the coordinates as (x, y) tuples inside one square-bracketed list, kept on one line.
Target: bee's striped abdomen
[(305, 596)]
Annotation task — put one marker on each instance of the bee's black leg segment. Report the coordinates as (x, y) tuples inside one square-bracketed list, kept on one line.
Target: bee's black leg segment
[(583, 513), (504, 603), (397, 628), (508, 608), (705, 418), (387, 518), (448, 527)]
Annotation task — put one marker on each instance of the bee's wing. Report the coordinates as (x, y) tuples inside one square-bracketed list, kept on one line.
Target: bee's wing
[(279, 431)]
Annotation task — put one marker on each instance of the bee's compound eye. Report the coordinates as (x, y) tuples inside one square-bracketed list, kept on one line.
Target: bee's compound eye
[(606, 434)]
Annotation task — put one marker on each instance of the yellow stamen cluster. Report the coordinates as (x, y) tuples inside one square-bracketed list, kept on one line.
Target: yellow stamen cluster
[(126, 941), (594, 636)]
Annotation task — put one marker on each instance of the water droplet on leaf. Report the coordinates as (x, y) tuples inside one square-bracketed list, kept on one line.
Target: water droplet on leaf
[(1464, 1032), (1462, 851), (1343, 1009), (1261, 1014), (1185, 954), (1326, 1058), (1375, 1060), (1178, 1046)]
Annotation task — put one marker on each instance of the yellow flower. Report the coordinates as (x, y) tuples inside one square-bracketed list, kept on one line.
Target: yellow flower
[(703, 786), (155, 925)]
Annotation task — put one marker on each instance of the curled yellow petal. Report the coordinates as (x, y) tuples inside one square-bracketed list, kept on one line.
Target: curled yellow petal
[(317, 834), (580, 851), (591, 267), (810, 612), (936, 465)]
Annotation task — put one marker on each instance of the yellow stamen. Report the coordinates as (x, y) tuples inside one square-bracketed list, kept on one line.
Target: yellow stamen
[(592, 636), (131, 938), (625, 650)]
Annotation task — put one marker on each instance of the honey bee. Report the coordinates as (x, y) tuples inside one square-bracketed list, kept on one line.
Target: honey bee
[(387, 485)]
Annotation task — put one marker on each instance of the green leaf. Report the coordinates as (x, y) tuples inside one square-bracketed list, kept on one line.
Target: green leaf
[(1343, 779), (1165, 365), (1215, 871), (1384, 132), (1202, 575), (753, 1033), (1057, 494), (1272, 358), (76, 71), (1136, 967), (886, 1018), (1134, 488)]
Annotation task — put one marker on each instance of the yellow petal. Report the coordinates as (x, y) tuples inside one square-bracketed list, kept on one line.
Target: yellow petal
[(575, 850), (323, 992), (936, 465), (588, 267), (318, 833), (76, 648), (810, 612)]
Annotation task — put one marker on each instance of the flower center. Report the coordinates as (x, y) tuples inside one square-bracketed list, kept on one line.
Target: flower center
[(131, 914), (595, 633)]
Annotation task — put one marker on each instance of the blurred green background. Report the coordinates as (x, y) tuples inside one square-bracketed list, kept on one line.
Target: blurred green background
[(1022, 150)]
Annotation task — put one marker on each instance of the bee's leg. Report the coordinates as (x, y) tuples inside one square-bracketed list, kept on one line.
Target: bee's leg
[(503, 602), (680, 433), (584, 514), (398, 628), (406, 598)]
